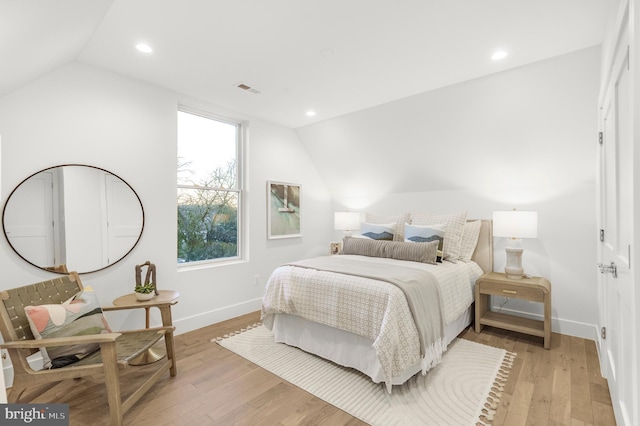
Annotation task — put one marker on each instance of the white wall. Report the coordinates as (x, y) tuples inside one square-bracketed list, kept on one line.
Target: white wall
[(523, 138), (81, 114)]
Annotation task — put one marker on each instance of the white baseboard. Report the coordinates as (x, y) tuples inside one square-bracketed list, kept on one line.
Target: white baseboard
[(204, 319), (567, 327)]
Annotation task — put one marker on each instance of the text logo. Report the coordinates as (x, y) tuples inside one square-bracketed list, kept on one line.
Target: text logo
[(34, 414)]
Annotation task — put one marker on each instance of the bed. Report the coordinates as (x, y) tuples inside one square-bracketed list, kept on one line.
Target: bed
[(305, 303)]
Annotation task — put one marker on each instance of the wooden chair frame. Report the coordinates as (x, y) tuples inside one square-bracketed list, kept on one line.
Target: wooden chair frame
[(116, 349)]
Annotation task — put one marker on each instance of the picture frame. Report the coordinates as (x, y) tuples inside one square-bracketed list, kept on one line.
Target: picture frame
[(283, 210), (335, 248)]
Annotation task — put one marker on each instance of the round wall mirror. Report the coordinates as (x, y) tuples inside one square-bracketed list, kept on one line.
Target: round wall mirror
[(73, 218)]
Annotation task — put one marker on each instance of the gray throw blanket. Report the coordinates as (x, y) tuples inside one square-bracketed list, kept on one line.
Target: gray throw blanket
[(420, 288)]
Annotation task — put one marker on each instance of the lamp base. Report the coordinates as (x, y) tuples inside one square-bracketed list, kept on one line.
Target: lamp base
[(513, 269)]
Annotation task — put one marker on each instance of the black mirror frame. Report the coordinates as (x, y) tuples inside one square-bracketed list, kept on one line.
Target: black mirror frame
[(77, 165)]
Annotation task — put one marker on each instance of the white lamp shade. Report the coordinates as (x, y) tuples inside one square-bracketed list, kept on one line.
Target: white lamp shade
[(347, 221), (515, 224)]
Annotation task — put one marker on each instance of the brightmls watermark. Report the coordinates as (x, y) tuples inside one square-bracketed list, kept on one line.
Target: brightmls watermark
[(34, 414)]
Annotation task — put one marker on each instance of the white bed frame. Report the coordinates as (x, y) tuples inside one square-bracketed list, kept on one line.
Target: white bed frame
[(351, 350)]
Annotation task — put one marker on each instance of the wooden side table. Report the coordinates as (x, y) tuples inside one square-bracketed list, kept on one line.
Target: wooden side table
[(536, 289), (163, 302)]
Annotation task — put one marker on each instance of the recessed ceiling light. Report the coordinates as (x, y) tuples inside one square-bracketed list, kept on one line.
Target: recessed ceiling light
[(500, 54), (144, 48), (311, 113)]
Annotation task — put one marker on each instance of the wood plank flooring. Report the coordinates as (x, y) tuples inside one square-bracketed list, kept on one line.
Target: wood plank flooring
[(561, 386)]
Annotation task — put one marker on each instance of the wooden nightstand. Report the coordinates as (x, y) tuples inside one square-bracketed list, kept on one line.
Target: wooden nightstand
[(535, 289)]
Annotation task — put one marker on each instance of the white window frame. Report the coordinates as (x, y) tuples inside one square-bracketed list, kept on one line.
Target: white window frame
[(241, 133)]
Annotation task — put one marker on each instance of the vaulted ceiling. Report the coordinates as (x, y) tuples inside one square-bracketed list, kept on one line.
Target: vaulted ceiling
[(329, 56)]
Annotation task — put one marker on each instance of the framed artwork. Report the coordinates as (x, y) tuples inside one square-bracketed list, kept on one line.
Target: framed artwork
[(283, 210), (335, 248)]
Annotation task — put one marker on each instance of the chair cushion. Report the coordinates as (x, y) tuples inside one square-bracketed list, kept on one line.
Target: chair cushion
[(78, 316)]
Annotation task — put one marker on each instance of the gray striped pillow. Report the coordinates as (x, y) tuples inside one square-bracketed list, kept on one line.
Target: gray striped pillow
[(415, 252)]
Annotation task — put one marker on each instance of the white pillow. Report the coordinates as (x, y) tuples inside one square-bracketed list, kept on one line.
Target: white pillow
[(426, 233), (470, 233), (399, 219), (383, 231), (453, 236)]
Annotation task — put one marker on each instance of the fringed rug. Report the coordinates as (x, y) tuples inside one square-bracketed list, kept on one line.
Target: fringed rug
[(463, 389)]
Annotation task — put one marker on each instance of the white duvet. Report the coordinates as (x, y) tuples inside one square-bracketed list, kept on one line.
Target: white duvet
[(374, 309)]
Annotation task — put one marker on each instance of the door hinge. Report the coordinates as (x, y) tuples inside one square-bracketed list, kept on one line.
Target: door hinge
[(600, 138), (609, 269), (603, 333), (602, 235)]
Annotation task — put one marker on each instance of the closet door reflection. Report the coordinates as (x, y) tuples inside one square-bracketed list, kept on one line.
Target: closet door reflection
[(73, 217), (30, 228)]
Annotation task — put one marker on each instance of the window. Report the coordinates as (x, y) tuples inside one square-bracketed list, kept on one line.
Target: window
[(209, 188)]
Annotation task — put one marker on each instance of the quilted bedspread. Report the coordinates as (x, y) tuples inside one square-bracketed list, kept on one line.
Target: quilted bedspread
[(369, 307)]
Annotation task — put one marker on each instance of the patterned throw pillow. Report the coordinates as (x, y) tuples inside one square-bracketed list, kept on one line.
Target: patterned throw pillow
[(78, 316), (452, 239), (425, 234), (384, 232), (470, 234), (399, 220)]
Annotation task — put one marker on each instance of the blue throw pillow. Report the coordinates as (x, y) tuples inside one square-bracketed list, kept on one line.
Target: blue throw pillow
[(373, 231), (425, 234)]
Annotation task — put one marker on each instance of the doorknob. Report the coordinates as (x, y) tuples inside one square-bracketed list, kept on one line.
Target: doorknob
[(606, 269)]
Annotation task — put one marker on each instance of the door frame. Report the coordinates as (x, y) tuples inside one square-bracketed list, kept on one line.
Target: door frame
[(628, 15)]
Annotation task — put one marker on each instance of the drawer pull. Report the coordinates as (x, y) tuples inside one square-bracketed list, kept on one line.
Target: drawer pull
[(510, 291)]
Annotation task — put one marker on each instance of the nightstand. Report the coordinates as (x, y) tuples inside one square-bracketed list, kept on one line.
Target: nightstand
[(536, 289)]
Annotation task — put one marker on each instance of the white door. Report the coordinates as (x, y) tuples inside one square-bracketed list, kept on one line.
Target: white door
[(30, 227), (615, 184)]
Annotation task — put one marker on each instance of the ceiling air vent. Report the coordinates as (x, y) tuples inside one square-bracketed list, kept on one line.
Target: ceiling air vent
[(248, 88)]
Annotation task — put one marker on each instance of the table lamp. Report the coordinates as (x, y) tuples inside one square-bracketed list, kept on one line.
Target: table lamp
[(515, 225), (347, 221)]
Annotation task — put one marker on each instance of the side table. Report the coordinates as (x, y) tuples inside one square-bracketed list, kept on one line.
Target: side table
[(536, 289), (163, 302)]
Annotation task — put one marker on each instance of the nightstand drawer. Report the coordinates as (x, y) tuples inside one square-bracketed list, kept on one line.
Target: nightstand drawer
[(519, 291)]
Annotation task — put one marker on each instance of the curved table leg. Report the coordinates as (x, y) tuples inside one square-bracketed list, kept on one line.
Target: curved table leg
[(153, 354)]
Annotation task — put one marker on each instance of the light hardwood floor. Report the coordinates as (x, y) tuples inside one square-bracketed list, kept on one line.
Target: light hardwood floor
[(561, 386)]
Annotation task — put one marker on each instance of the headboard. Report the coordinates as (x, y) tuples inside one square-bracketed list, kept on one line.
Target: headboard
[(483, 254)]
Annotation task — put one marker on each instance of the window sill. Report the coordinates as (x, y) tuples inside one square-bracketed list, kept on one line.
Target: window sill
[(185, 267)]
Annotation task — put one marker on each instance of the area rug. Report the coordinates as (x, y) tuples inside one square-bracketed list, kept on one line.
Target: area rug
[(463, 389)]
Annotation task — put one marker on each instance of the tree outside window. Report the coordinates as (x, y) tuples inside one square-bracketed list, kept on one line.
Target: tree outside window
[(208, 189)]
